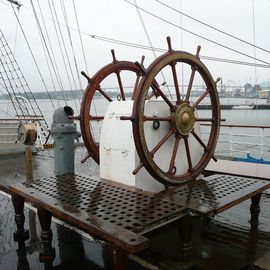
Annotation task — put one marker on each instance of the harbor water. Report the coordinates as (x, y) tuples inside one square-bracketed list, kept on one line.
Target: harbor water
[(233, 142)]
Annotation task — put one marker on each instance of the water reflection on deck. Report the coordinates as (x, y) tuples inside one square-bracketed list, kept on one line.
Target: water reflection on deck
[(225, 242)]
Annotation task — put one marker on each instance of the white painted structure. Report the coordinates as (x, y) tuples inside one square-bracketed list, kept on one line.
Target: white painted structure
[(8, 138), (118, 156)]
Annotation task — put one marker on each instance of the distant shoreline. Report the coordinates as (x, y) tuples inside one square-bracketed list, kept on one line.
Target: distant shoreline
[(230, 106)]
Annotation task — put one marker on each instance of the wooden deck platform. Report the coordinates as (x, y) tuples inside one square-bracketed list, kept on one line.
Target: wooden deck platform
[(206, 200), (121, 215)]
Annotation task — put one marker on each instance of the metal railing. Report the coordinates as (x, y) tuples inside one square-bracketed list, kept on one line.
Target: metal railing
[(235, 140)]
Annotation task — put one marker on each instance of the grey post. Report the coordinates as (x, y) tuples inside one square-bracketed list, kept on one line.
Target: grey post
[(64, 133)]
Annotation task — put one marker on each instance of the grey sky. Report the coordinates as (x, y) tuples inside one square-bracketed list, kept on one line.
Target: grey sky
[(119, 20)]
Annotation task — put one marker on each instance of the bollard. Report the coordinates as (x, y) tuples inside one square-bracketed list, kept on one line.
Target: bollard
[(27, 134), (64, 133), (29, 164)]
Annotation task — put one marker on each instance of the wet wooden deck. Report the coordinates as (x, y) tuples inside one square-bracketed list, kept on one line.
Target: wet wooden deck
[(225, 242)]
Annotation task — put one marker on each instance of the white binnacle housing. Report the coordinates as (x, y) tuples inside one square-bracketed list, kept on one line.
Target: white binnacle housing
[(118, 155)]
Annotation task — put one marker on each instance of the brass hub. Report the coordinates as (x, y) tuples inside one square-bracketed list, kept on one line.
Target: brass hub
[(184, 119)]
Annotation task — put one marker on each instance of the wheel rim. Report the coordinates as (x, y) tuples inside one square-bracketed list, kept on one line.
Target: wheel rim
[(86, 118), (181, 118)]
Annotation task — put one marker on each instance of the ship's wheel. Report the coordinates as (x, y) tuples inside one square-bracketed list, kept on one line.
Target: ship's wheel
[(179, 119), (126, 76)]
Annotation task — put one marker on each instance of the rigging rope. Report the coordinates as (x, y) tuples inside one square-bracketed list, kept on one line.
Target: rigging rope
[(140, 46), (45, 48), (31, 52), (43, 124), (197, 35), (12, 72), (254, 50), (4, 3), (16, 34), (7, 113), (54, 62), (212, 27), (61, 51), (181, 44), (83, 51), (144, 47), (254, 40), (70, 40), (150, 43), (72, 47), (12, 89), (78, 26), (65, 50)]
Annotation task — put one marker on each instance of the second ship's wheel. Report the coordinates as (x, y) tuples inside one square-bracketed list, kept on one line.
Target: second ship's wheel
[(124, 75), (178, 119)]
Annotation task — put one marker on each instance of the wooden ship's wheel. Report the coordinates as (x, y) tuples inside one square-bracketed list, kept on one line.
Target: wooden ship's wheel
[(166, 129), (179, 120), (88, 118)]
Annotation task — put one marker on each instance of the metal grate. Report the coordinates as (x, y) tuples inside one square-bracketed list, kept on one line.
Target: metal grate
[(129, 209), (97, 202), (214, 192)]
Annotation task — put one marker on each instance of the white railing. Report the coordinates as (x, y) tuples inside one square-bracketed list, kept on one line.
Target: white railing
[(235, 140), (8, 131)]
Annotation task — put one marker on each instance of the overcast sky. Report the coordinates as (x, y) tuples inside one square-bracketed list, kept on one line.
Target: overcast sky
[(118, 19)]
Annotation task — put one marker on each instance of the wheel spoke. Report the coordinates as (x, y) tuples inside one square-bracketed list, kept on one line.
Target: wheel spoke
[(188, 154), (175, 148), (78, 117), (190, 83), (182, 118), (199, 140), (154, 150), (152, 94), (176, 85), (194, 106), (156, 87), (138, 76), (102, 92), (96, 117), (162, 141), (120, 85), (157, 118), (205, 119), (137, 168), (116, 71), (131, 118), (136, 82), (86, 157)]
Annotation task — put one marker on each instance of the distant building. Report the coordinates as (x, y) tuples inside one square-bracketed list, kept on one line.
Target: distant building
[(237, 92), (257, 88), (265, 85), (264, 93), (248, 88)]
